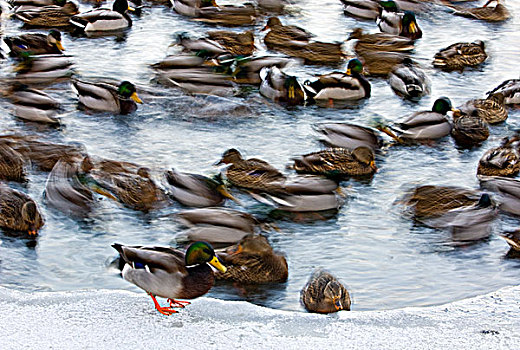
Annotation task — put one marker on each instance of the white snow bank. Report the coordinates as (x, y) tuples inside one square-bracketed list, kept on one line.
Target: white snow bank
[(107, 319)]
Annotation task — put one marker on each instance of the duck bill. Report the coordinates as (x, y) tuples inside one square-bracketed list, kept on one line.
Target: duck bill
[(224, 192), (489, 2), (373, 165), (104, 193), (32, 232), (264, 28), (131, 9), (515, 245), (413, 27), (60, 46), (337, 304), (349, 71), (217, 264), (136, 98)]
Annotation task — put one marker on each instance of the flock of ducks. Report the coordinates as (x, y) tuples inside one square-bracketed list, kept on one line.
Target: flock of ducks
[(218, 64)]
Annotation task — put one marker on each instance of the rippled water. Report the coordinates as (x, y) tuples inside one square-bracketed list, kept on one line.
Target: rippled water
[(384, 259)]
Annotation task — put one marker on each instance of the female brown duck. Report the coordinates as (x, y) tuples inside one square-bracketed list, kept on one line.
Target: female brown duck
[(18, 212)]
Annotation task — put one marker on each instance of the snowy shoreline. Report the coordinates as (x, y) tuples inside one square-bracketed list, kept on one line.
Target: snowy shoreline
[(109, 319)]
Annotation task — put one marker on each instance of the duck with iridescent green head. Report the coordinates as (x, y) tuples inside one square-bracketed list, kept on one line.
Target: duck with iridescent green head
[(35, 43), (170, 273), (101, 96), (424, 125), (392, 21), (336, 88)]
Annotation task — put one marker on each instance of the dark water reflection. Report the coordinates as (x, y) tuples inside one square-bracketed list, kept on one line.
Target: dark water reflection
[(387, 261)]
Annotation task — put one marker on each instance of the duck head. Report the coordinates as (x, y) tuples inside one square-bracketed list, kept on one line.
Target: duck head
[(388, 6), (127, 90), (54, 39), (32, 217), (199, 253), (354, 66), (272, 22), (365, 155), (410, 25), (121, 6), (253, 245), (231, 156), (333, 294), (442, 105)]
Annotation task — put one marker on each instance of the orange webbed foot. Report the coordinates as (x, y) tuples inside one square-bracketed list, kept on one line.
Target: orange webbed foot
[(178, 303)]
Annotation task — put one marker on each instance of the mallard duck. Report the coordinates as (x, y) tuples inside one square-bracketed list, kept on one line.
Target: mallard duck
[(498, 13), (196, 190), (202, 47), (507, 189), (191, 8), (235, 43), (41, 154), (469, 129), (364, 9), (247, 69), (304, 194), (510, 89), (288, 32), (337, 162), (34, 105), (18, 212), (53, 16), (252, 173), (132, 187), (380, 42), (424, 125), (41, 69), (12, 164), (513, 239), (409, 81), (67, 188), (190, 73), (106, 97), (338, 88), (228, 15), (294, 41), (221, 226), (170, 273), (104, 19), (348, 135), (380, 63), (392, 21), (35, 43), (460, 55), (30, 4), (466, 213), (253, 261), (324, 294), (280, 87), (492, 109), (503, 160)]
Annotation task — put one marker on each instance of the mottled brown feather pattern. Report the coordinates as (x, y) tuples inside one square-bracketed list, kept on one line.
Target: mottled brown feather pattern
[(491, 109), (11, 164), (11, 204), (469, 130), (315, 298), (503, 160), (460, 55)]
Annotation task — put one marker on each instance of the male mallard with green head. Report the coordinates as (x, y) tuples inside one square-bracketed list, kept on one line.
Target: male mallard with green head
[(324, 294), (424, 125), (106, 97), (338, 88), (104, 19), (170, 273)]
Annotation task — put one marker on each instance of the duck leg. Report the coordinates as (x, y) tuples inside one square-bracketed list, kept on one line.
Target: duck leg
[(162, 309), (178, 303)]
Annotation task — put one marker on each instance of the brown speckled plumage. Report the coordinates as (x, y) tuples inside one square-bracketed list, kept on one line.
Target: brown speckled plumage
[(49, 16), (235, 43), (503, 160), (486, 13), (253, 261), (11, 164), (492, 109), (469, 130), (460, 55), (431, 201), (337, 162), (18, 212), (324, 294), (252, 173)]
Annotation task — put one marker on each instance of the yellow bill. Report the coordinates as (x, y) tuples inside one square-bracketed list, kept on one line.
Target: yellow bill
[(216, 263), (136, 98)]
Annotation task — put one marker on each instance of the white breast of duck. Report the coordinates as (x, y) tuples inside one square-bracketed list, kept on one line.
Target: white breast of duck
[(341, 86)]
